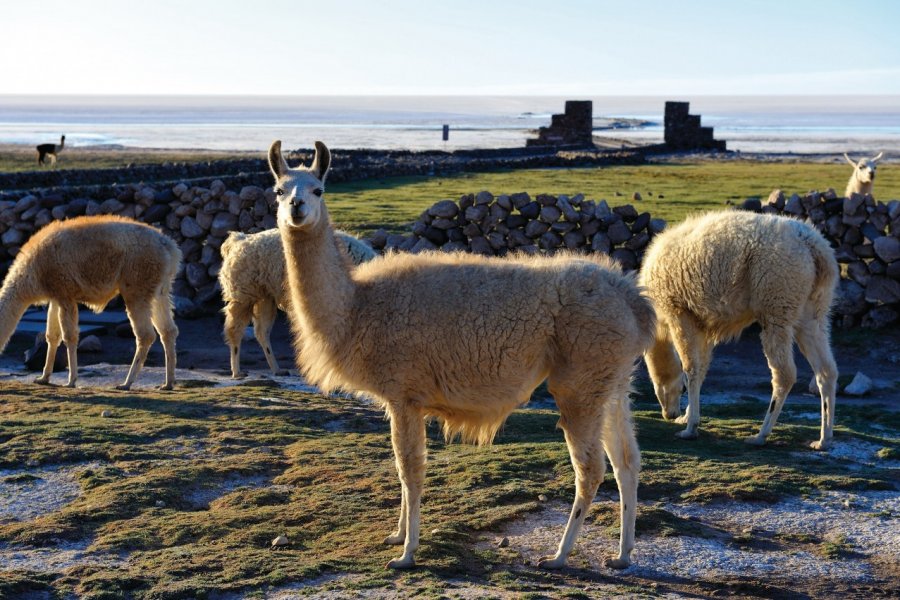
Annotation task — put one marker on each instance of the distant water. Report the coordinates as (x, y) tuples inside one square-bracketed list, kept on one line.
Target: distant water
[(801, 124)]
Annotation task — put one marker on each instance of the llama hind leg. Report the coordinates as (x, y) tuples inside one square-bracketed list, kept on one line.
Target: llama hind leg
[(164, 323), (237, 317), (812, 337), (68, 322), (581, 424), (399, 537), (54, 337), (264, 314), (144, 336), (621, 447), (408, 440), (778, 346)]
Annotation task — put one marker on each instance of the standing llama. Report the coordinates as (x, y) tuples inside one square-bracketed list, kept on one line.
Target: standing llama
[(712, 276), (89, 260), (51, 150), (863, 175), (254, 287), (466, 339)]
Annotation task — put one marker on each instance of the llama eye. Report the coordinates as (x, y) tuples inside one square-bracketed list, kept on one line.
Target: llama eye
[(279, 192), (318, 192)]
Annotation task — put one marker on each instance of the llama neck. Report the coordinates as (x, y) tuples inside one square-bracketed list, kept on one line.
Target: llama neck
[(320, 285), (13, 304), (62, 142)]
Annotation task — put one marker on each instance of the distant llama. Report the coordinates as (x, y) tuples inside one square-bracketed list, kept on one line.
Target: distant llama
[(51, 150), (254, 286), (863, 176), (712, 276), (89, 260), (466, 339)]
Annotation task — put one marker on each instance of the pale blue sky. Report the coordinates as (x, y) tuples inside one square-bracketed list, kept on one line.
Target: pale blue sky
[(450, 47)]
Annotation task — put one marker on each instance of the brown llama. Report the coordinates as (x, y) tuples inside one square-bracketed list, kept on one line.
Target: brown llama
[(89, 260), (51, 150), (466, 339)]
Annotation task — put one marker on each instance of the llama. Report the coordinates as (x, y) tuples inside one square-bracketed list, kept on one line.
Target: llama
[(863, 175), (253, 287), (51, 150), (712, 276), (90, 260), (466, 339)]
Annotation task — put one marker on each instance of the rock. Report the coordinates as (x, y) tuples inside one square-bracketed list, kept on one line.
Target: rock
[(222, 223), (794, 206), (627, 212), (503, 543), (752, 205), (776, 199), (184, 308), (550, 214), (887, 248), (12, 237), (123, 330), (196, 274), (600, 242), (657, 226), (476, 213), (550, 241), (281, 540), (111, 207), (850, 298), (483, 197), (37, 356), (446, 209), (423, 245), (879, 317), (105, 414), (860, 386), (25, 203), (618, 232), (530, 210), (90, 343), (568, 211), (625, 257), (883, 290), (251, 193), (542, 498), (480, 245), (536, 229), (520, 199), (204, 220), (636, 197), (159, 504), (190, 228)]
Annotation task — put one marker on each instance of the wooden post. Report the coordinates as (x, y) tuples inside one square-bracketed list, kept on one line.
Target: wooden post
[(446, 132)]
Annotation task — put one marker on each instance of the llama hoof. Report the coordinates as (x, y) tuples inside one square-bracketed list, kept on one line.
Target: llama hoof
[(687, 434), (124, 387), (682, 420), (42, 381), (394, 540), (70, 385), (167, 387), (755, 440), (618, 563), (282, 373), (401, 563), (551, 563), (820, 445), (239, 375)]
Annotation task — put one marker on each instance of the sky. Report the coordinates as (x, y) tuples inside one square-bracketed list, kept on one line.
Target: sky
[(449, 47)]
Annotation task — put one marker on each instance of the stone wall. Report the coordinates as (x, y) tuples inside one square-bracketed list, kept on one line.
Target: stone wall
[(684, 132), (573, 128)]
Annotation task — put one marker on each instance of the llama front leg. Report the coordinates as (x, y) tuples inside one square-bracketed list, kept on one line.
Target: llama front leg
[(164, 323), (54, 337), (812, 337), (144, 336), (264, 314), (586, 453), (778, 346), (408, 440), (695, 353), (68, 321)]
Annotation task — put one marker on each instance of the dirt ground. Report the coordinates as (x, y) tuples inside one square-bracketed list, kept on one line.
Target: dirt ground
[(742, 549)]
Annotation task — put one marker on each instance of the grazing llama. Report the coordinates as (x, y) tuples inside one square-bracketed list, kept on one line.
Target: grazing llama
[(466, 339), (254, 287), (712, 276), (51, 150), (89, 260), (863, 175)]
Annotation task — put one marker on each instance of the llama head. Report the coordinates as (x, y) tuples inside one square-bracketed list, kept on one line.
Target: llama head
[(668, 394), (299, 191), (864, 169)]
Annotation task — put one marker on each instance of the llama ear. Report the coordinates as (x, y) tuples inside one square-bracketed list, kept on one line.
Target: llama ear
[(849, 160), (276, 161), (877, 158), (322, 162)]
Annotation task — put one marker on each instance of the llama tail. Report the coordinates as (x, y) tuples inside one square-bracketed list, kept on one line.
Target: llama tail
[(234, 238)]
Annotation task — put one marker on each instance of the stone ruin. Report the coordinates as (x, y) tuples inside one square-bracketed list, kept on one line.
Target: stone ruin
[(683, 130), (572, 128)]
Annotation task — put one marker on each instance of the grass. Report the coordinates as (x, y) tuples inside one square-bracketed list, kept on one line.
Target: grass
[(194, 484), (393, 203), (16, 158)]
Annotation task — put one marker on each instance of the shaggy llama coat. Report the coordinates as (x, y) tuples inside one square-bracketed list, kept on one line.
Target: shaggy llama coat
[(712, 276), (254, 287), (90, 260), (466, 339)]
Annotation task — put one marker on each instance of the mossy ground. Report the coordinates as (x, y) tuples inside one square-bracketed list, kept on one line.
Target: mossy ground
[(194, 485)]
